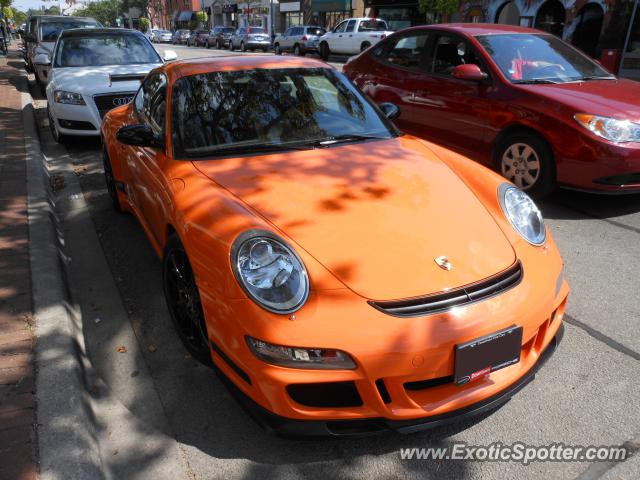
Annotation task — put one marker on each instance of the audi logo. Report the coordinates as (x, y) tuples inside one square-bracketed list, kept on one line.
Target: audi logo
[(119, 101)]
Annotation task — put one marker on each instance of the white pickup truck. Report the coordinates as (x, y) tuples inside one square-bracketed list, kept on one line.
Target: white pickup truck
[(352, 36)]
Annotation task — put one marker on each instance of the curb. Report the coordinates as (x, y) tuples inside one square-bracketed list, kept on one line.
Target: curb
[(67, 439)]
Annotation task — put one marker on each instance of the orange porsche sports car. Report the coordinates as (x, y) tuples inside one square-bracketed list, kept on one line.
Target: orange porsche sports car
[(345, 278)]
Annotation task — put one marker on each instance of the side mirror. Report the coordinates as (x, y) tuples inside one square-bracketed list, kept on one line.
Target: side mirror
[(469, 71), (390, 110), (42, 59), (140, 136), (169, 55)]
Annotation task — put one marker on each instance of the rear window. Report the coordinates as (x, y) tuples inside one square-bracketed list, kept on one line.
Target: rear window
[(373, 26), (316, 31), (257, 30), (49, 31)]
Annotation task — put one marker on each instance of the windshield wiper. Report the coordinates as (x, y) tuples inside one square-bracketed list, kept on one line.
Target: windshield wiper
[(348, 137), (252, 148), (596, 77), (535, 81)]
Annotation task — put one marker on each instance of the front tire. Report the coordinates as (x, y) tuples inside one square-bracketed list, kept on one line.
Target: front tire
[(297, 51), (526, 159), (276, 49), (111, 182), (243, 47), (218, 45), (183, 300), (57, 136), (324, 51)]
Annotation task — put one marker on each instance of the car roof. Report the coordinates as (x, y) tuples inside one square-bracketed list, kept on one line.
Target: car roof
[(183, 68), (84, 32), (66, 17), (474, 29)]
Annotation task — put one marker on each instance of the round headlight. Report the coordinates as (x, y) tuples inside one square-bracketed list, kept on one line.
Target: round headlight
[(270, 272), (522, 213)]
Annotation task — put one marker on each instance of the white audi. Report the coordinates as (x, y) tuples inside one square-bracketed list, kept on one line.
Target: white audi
[(93, 71)]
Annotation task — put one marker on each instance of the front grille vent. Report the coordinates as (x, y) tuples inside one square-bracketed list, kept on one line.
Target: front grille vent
[(107, 102), (440, 302)]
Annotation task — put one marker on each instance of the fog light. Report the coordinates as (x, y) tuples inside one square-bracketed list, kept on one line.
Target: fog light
[(298, 357)]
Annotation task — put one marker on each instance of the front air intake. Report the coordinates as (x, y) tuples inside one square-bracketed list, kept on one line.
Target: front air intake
[(441, 302)]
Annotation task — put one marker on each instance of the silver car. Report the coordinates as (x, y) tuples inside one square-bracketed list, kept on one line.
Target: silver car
[(250, 38), (162, 36), (299, 40)]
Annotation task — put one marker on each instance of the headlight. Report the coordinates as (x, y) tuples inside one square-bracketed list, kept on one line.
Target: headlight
[(270, 272), (60, 96), (618, 131), (295, 357), (522, 213)]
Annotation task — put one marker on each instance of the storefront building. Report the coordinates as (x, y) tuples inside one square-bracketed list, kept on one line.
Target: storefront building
[(607, 30), (291, 14), (398, 14), (328, 13)]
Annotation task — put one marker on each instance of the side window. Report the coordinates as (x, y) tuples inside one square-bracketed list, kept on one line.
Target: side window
[(351, 26), (341, 27), (150, 102), (287, 33), (450, 51), (408, 51)]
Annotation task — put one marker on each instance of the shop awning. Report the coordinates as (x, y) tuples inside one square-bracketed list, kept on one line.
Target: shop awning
[(185, 16)]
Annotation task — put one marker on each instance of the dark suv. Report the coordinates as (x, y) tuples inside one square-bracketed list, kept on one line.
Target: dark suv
[(220, 36)]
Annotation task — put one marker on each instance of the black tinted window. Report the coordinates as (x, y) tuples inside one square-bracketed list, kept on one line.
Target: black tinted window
[(150, 102), (372, 26), (316, 31), (408, 51), (351, 25), (218, 112)]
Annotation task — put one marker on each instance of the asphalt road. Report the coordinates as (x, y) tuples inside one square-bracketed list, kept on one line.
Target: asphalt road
[(182, 423)]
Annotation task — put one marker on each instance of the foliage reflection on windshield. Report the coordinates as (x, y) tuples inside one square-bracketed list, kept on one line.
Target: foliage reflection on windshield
[(268, 107)]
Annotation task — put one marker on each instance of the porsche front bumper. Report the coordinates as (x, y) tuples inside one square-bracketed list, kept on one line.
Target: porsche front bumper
[(403, 378)]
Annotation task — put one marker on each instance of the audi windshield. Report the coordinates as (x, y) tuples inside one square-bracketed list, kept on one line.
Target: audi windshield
[(102, 49), (253, 111)]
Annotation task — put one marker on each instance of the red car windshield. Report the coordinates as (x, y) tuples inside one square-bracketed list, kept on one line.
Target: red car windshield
[(530, 58)]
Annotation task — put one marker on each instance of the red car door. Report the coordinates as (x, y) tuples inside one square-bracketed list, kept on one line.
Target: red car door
[(395, 74), (450, 111)]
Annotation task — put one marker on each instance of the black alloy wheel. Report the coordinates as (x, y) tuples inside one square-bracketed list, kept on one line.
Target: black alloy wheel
[(183, 300)]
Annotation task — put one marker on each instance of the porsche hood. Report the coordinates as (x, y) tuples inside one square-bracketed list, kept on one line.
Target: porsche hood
[(375, 214)]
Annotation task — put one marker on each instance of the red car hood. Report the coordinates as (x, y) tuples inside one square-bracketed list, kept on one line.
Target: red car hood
[(375, 214), (611, 98)]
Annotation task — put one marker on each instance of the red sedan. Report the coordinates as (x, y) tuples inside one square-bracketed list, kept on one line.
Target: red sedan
[(516, 99)]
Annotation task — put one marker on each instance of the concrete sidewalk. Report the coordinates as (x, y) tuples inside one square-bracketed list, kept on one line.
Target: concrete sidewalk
[(17, 381)]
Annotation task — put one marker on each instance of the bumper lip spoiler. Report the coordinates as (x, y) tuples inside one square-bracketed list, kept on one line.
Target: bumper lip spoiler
[(296, 428)]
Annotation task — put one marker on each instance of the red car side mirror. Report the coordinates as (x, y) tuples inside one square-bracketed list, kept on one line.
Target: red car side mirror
[(469, 72)]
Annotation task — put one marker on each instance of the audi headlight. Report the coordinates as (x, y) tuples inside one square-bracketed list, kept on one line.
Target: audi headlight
[(522, 213), (618, 131), (298, 357), (71, 98), (270, 272)]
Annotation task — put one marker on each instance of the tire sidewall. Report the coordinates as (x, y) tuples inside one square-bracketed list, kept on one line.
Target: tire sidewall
[(546, 182), (174, 243)]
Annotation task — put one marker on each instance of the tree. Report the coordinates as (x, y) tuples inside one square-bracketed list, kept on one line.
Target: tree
[(437, 8), (144, 23), (19, 17), (202, 18), (105, 11), (7, 13)]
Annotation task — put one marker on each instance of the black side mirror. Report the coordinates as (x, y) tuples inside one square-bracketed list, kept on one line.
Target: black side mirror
[(390, 110), (140, 136)]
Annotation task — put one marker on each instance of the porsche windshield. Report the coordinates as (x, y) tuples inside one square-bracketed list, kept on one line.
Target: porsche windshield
[(247, 111), (104, 49)]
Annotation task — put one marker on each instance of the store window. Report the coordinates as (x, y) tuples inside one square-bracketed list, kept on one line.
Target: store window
[(397, 18), (291, 19)]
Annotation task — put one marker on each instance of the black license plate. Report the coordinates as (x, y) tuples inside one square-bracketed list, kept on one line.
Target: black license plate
[(480, 357)]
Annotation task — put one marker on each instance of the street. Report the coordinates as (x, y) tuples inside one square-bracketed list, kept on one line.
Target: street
[(587, 394)]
